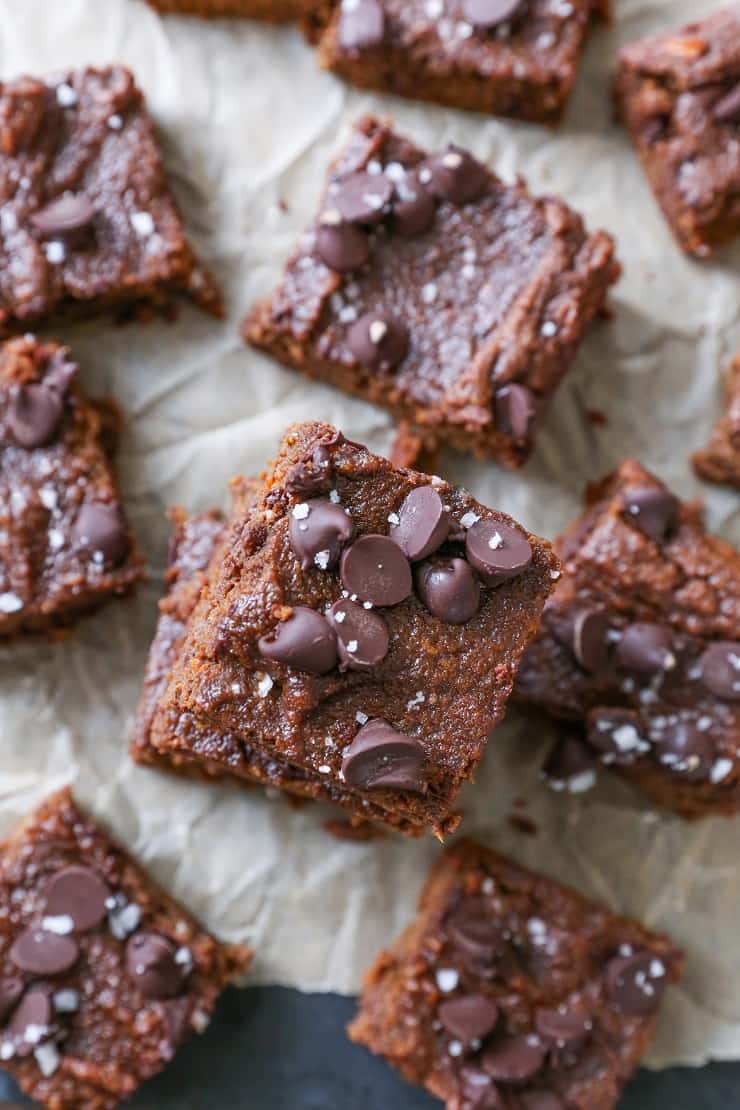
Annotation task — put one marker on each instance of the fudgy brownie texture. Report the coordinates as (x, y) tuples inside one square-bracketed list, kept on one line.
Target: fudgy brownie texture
[(505, 57), (640, 647), (65, 543), (720, 459), (430, 287), (87, 220), (102, 975), (679, 96), (355, 637), (510, 992)]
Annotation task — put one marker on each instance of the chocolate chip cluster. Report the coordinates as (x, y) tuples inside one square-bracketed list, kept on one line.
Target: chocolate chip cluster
[(362, 23)]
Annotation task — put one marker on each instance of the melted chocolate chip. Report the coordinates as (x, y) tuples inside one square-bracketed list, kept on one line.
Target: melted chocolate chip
[(570, 766), (100, 530), (479, 939), (512, 1058), (588, 638), (720, 670), (80, 893), (318, 532), (455, 176), (497, 551), (379, 758), (727, 108), (414, 208), (468, 1018), (34, 414), (516, 410), (362, 198), (635, 984), (378, 341), (44, 953), (151, 963), (646, 649), (565, 1031), (33, 1013), (361, 25), (615, 734), (11, 989), (654, 510), (449, 590), (66, 218), (423, 523), (305, 641), (376, 570), (311, 476), (490, 13), (362, 636), (342, 247), (686, 750)]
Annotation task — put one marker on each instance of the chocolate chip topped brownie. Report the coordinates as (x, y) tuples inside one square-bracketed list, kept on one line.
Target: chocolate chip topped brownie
[(430, 287), (510, 992), (640, 648), (65, 543), (355, 637), (719, 461), (87, 220), (102, 975)]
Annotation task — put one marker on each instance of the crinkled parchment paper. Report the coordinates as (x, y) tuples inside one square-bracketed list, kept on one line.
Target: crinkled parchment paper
[(247, 120)]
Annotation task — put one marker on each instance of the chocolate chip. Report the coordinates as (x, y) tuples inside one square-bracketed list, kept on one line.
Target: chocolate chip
[(570, 766), (312, 475), (720, 670), (479, 1090), (34, 414), (44, 953), (727, 108), (515, 1057), (490, 13), (541, 1100), (362, 198), (305, 641), (318, 531), (516, 410), (635, 984), (653, 510), (455, 176), (615, 734), (685, 749), (361, 25), (479, 939), (376, 570), (497, 551), (362, 636), (100, 530), (342, 247), (80, 893), (151, 963), (423, 523), (34, 1013), (565, 1031), (468, 1018), (378, 342), (413, 207), (65, 218), (588, 638), (646, 649), (11, 990), (379, 758), (449, 590)]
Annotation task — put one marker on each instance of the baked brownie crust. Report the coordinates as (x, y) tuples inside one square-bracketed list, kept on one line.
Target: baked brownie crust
[(87, 220), (720, 460), (488, 305), (65, 545), (109, 1021), (510, 991), (679, 95)]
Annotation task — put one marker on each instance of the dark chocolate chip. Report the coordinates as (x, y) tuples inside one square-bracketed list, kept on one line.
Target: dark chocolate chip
[(565, 1031), (685, 749), (490, 13), (615, 734), (378, 341), (318, 532), (449, 589), (80, 893), (589, 642), (454, 175), (379, 758), (305, 641), (376, 570), (541, 1100), (312, 475), (362, 198), (654, 510), (727, 108), (497, 551), (361, 24), (720, 670), (516, 410), (635, 984), (646, 649), (11, 990), (35, 412), (342, 247), (362, 636), (29, 1020), (65, 218), (423, 523), (61, 370), (473, 932), (414, 207), (44, 953), (468, 1018), (570, 766), (480, 1091), (512, 1058), (152, 965), (100, 530)]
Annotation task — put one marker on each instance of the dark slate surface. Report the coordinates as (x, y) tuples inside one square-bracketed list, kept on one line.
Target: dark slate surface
[(274, 1049)]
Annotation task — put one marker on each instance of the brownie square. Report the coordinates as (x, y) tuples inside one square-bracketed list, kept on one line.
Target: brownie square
[(511, 992), (720, 459), (102, 974), (65, 544), (430, 287), (640, 647), (679, 96), (355, 637), (87, 220), (514, 58)]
